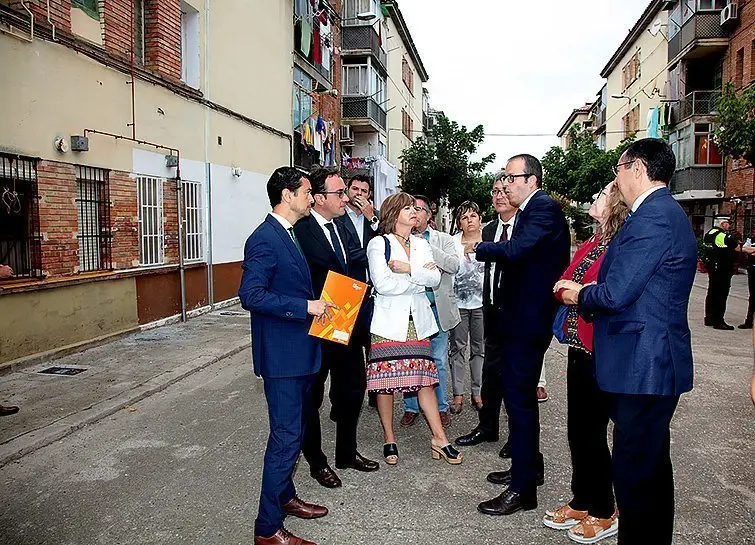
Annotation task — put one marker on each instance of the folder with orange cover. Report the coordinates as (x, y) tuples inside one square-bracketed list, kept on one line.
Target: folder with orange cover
[(348, 294)]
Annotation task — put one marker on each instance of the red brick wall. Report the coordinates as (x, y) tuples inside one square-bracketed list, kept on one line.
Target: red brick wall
[(58, 217), (117, 21), (170, 227), (60, 12), (327, 106), (163, 37), (124, 221)]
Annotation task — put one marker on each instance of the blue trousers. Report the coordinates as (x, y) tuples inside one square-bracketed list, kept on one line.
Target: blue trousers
[(439, 346), (287, 400)]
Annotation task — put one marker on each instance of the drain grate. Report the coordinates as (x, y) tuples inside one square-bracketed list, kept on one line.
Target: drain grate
[(63, 371)]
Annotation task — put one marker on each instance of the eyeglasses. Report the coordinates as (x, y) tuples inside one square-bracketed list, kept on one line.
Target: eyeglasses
[(509, 178), (420, 208), (616, 168), (497, 192), (340, 193)]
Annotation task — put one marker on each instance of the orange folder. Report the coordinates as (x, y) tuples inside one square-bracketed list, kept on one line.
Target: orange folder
[(348, 294)]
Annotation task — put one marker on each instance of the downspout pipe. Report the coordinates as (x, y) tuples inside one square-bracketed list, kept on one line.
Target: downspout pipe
[(207, 159)]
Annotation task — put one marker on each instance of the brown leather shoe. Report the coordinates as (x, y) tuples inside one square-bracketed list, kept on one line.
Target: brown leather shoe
[(304, 510), (408, 419), (542, 394), (445, 419), (6, 410), (326, 477), (282, 537)]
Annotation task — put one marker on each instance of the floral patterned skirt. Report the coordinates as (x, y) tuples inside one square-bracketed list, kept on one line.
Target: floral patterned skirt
[(395, 366)]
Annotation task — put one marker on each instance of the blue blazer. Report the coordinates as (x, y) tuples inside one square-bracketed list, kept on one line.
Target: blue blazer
[(639, 305), (533, 259), (275, 288)]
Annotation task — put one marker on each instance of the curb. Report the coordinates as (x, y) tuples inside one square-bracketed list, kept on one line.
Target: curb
[(33, 440)]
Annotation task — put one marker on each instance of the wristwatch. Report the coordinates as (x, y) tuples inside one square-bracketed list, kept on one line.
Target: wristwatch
[(374, 219)]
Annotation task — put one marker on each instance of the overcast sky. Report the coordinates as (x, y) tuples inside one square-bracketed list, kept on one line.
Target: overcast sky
[(516, 67)]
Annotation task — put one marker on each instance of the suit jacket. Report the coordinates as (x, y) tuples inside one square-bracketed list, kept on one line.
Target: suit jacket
[(367, 235), (399, 295), (533, 259), (320, 255), (275, 288), (642, 338), (447, 260), (488, 235)]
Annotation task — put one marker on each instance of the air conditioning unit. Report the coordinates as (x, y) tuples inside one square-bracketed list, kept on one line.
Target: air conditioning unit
[(729, 14), (347, 133)]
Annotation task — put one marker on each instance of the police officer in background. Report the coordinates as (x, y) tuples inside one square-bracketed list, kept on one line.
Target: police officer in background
[(721, 247)]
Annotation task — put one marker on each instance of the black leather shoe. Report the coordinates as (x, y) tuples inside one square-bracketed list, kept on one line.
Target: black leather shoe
[(708, 322), (504, 478), (326, 477), (746, 325), (505, 452), (475, 438), (508, 502), (723, 326), (360, 463)]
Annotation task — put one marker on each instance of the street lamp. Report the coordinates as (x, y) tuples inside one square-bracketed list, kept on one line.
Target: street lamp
[(365, 16)]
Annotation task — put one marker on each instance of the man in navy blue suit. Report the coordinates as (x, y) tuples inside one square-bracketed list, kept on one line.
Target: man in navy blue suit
[(643, 353), (276, 289), (532, 259)]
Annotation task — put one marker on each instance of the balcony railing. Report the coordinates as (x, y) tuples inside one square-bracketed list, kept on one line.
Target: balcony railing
[(697, 178), (363, 40), (600, 119), (358, 107), (695, 103), (700, 26)]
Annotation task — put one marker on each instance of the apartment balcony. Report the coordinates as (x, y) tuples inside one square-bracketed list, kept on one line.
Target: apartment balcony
[(698, 182), (700, 36), (362, 110), (600, 121), (694, 104), (362, 41)]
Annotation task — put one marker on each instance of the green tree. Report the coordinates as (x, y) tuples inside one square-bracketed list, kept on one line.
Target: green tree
[(581, 170), (441, 165), (735, 135)]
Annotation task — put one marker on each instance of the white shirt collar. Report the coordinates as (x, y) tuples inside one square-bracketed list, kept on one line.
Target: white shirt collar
[(352, 213), (639, 200), (527, 200), (321, 220), (283, 221)]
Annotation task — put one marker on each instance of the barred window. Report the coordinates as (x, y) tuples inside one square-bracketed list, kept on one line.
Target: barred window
[(93, 203), (192, 217), (20, 241), (151, 235)]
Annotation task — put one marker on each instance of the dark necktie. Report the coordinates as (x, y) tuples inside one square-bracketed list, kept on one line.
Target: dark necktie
[(296, 242), (336, 245), (499, 266)]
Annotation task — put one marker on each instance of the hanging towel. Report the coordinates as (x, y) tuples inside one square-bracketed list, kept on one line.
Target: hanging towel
[(316, 43), (653, 123), (306, 37)]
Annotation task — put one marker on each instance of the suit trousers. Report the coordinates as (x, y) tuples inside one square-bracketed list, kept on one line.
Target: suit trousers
[(287, 399), (643, 476), (719, 284), (522, 362), (470, 332), (491, 390), (751, 289), (348, 382), (587, 430)]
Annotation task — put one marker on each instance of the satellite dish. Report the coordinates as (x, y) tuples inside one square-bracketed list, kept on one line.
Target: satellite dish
[(655, 28)]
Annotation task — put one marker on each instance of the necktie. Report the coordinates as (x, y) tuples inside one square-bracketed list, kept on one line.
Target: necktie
[(293, 237), (336, 245), (498, 266), (428, 291)]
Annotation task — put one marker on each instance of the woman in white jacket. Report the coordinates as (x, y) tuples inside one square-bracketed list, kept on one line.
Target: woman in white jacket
[(401, 270)]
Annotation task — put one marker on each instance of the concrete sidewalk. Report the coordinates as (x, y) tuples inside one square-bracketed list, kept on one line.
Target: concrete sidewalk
[(122, 372), (117, 375)]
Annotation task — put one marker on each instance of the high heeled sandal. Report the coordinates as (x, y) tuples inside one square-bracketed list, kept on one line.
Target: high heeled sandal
[(390, 453), (448, 453)]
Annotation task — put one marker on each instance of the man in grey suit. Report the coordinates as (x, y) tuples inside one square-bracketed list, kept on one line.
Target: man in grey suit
[(443, 302)]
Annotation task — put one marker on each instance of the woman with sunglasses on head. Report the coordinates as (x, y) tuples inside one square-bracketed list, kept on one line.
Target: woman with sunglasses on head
[(402, 268), (590, 515)]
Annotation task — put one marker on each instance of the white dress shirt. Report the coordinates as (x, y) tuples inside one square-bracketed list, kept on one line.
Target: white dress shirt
[(526, 201), (498, 232), (358, 221), (285, 224), (322, 222), (639, 200)]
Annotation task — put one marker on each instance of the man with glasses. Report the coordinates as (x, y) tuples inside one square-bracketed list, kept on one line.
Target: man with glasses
[(443, 302), (643, 354), (532, 260), (327, 246)]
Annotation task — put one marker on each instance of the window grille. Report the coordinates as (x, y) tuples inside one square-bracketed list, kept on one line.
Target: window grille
[(93, 202), (20, 241), (192, 212), (151, 234)]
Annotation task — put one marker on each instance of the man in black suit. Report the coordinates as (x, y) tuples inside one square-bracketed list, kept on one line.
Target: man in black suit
[(533, 259), (361, 220), (327, 246), (500, 229)]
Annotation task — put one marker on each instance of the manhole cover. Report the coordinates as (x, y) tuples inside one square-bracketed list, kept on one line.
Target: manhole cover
[(65, 371)]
